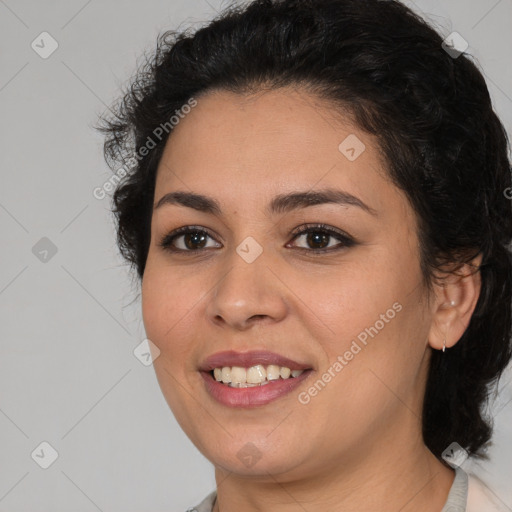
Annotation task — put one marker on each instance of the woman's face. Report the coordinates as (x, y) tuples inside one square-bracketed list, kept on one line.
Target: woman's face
[(356, 315)]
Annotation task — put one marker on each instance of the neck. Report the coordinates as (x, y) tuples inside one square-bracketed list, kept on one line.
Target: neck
[(391, 476)]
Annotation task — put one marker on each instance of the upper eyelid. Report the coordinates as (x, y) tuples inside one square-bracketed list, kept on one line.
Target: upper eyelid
[(296, 232), (320, 226)]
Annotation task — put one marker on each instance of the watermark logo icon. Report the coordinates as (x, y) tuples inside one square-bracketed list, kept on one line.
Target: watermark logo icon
[(44, 250), (44, 45), (44, 455), (249, 454), (249, 249), (455, 455), (146, 352), (454, 45), (352, 147)]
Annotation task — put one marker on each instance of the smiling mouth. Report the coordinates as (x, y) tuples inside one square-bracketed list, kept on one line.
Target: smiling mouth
[(253, 376)]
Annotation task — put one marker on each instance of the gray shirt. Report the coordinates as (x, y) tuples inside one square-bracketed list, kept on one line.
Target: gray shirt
[(467, 494)]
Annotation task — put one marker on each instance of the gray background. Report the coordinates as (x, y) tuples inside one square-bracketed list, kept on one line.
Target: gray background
[(70, 324)]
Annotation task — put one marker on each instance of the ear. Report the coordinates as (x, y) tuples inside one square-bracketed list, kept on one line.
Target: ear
[(456, 298)]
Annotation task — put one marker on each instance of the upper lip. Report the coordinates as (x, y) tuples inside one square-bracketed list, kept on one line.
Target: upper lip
[(248, 359)]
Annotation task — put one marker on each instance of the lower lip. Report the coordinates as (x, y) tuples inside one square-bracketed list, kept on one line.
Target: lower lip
[(253, 396)]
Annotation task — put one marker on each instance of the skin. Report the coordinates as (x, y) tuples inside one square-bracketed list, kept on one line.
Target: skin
[(357, 444)]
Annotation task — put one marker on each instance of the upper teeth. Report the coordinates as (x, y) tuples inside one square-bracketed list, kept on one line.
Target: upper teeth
[(254, 375)]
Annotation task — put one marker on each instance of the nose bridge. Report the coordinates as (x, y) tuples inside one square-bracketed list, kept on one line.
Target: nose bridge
[(247, 288), (246, 266)]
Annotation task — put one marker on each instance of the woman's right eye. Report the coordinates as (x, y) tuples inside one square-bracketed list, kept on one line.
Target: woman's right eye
[(192, 240)]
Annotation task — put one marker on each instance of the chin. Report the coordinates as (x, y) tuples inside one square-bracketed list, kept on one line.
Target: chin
[(253, 455), (249, 462)]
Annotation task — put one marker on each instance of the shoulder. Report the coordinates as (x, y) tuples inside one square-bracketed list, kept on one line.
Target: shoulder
[(481, 498), (206, 505)]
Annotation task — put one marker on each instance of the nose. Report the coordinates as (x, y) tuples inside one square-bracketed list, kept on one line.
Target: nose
[(247, 293)]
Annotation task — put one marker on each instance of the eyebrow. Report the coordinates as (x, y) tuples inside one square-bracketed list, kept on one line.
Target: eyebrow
[(282, 203)]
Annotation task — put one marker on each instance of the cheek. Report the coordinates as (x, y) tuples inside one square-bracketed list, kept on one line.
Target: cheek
[(167, 308), (154, 305), (375, 311), (354, 295)]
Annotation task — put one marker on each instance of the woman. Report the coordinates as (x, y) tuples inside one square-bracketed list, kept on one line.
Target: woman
[(315, 208)]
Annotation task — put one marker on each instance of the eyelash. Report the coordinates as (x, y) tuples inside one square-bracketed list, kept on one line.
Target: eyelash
[(346, 241)]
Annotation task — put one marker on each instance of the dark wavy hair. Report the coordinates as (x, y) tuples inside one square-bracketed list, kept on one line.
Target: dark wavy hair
[(442, 143)]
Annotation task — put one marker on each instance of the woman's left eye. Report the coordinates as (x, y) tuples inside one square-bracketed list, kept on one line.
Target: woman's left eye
[(315, 235), (319, 233)]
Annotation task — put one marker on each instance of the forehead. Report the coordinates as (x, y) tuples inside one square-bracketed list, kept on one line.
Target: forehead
[(265, 124), (279, 140)]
